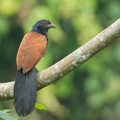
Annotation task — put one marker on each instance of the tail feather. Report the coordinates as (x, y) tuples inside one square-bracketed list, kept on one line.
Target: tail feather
[(25, 91)]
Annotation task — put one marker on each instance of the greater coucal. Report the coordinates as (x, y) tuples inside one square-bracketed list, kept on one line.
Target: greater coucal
[(31, 50)]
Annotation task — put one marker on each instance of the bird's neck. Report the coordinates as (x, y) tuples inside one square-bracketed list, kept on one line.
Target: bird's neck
[(41, 31)]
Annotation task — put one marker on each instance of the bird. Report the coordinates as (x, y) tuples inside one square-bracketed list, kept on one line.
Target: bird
[(32, 48)]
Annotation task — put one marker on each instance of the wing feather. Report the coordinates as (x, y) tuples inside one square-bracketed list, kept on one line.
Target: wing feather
[(31, 50)]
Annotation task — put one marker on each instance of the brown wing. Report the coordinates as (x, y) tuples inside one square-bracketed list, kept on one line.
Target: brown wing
[(31, 50)]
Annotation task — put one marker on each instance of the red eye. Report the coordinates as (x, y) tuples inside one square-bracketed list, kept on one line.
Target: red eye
[(45, 22)]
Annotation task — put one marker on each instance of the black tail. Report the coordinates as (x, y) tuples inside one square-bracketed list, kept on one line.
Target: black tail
[(25, 91)]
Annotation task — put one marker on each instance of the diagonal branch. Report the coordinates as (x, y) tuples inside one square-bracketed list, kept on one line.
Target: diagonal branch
[(69, 63)]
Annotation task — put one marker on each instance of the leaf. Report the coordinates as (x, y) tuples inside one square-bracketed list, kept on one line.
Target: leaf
[(4, 112), (7, 110), (39, 106), (6, 116)]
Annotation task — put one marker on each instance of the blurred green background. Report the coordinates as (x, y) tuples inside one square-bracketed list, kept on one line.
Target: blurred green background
[(92, 91)]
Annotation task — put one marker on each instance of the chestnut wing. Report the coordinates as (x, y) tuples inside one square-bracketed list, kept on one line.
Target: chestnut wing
[(31, 50)]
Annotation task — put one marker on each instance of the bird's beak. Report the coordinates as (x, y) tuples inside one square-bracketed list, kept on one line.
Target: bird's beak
[(51, 25)]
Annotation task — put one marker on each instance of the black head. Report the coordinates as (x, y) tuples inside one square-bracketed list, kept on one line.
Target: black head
[(42, 26)]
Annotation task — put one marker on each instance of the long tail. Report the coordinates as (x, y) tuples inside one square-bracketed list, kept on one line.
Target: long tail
[(25, 91)]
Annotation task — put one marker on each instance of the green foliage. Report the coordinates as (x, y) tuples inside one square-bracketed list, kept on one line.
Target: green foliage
[(92, 91), (4, 115), (40, 106)]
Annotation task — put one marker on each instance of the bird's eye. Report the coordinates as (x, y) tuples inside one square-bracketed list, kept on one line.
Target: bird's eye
[(45, 22)]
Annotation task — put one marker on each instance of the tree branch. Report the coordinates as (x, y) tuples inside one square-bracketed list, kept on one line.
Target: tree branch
[(70, 62)]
